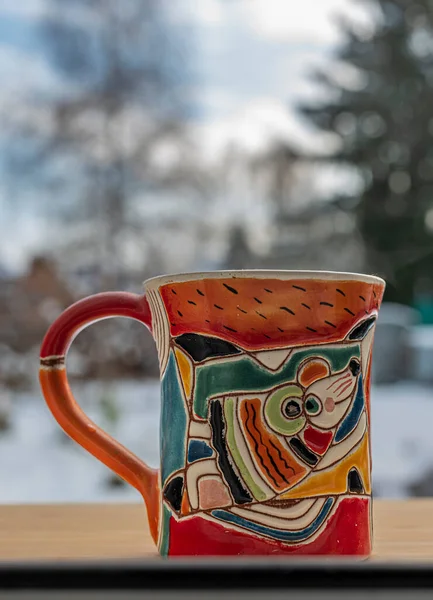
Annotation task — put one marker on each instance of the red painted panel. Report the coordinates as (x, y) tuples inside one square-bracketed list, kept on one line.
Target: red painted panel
[(347, 533)]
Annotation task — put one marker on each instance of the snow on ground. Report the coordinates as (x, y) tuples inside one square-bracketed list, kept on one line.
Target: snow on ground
[(39, 464), (402, 436)]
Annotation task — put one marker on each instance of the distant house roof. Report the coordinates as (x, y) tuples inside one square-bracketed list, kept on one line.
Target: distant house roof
[(28, 303)]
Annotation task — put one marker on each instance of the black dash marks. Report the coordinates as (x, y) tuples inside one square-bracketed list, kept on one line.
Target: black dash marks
[(349, 311), (362, 298), (230, 288), (306, 305), (230, 328), (173, 324), (258, 300), (289, 310), (340, 292), (298, 287), (218, 307), (260, 315), (374, 294), (327, 304), (179, 313), (267, 336), (269, 291), (174, 291), (242, 310), (311, 329), (199, 292), (191, 302), (207, 320), (279, 329), (331, 324)]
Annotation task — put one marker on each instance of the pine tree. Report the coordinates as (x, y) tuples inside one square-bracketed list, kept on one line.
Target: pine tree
[(385, 124)]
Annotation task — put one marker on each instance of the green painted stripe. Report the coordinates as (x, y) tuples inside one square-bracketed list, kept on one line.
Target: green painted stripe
[(229, 413), (221, 377)]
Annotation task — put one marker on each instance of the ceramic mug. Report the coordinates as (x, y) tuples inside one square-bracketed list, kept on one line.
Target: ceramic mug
[(265, 416)]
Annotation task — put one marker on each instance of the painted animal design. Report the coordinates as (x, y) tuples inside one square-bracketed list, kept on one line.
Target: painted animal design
[(274, 438), (254, 448)]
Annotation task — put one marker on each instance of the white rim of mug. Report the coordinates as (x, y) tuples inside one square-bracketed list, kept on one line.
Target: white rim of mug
[(160, 280)]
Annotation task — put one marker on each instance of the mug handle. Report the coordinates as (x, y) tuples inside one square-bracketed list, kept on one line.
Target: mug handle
[(58, 395)]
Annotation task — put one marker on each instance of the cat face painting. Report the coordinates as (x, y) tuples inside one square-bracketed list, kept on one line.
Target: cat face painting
[(265, 386)]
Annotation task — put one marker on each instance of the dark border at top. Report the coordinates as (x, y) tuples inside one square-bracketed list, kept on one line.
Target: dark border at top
[(199, 574)]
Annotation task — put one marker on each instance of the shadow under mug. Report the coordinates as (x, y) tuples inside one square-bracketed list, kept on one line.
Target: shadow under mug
[(265, 416)]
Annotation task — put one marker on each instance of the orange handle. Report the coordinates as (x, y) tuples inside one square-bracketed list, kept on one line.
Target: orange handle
[(71, 418)]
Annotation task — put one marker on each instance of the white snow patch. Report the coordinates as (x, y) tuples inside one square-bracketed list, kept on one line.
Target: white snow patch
[(38, 467)]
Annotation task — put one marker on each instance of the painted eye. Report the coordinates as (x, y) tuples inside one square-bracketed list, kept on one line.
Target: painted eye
[(292, 408), (284, 410), (312, 406)]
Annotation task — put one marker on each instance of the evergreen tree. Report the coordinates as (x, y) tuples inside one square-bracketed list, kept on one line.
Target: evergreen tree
[(385, 124)]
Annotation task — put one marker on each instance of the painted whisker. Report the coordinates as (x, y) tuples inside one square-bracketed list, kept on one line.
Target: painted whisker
[(344, 389)]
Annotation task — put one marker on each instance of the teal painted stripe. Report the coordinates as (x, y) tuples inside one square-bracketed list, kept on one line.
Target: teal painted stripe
[(284, 536), (164, 543), (173, 422), (222, 377)]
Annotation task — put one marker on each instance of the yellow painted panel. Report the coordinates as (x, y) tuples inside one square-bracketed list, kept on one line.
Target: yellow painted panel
[(186, 372), (334, 479)]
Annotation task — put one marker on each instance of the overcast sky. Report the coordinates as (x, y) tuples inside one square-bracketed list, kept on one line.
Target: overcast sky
[(252, 59)]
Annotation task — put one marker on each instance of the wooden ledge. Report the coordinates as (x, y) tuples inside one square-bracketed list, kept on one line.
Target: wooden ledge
[(403, 530)]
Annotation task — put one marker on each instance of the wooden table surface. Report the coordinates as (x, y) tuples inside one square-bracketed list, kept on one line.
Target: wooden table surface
[(403, 530)]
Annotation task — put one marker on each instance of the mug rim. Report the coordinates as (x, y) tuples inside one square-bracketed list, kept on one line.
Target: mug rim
[(159, 280)]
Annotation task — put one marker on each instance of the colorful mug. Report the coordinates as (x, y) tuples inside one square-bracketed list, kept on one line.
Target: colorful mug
[(265, 420)]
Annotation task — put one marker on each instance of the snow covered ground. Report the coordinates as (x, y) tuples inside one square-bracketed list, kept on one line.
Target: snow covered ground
[(39, 464)]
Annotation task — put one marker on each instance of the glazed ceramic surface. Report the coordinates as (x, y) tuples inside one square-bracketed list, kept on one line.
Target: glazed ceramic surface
[(265, 415)]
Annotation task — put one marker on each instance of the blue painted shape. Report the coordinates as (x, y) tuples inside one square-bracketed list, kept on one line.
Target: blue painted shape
[(173, 422), (284, 536), (350, 421), (198, 449)]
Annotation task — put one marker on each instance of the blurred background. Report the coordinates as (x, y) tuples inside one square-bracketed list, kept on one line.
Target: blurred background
[(147, 136)]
